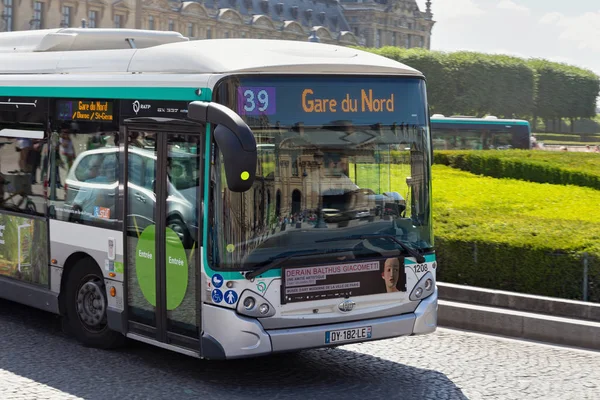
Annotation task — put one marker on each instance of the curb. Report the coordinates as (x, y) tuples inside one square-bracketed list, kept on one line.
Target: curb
[(573, 309), (519, 324)]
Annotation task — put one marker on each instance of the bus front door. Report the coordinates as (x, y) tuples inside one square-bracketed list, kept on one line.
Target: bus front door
[(162, 212)]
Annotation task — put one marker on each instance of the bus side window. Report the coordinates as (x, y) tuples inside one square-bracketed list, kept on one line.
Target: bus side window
[(84, 173), (21, 170)]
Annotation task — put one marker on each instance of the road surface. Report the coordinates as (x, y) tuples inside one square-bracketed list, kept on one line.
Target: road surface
[(37, 361)]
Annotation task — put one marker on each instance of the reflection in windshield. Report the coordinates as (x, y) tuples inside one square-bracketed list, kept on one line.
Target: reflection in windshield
[(329, 182)]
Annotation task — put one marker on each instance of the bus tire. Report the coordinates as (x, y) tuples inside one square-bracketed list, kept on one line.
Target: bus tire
[(85, 307)]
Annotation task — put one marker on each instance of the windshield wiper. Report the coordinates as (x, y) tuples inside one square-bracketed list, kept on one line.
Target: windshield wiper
[(413, 252), (279, 259)]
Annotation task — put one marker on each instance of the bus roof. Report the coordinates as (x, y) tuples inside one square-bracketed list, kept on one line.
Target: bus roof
[(81, 50), (478, 121)]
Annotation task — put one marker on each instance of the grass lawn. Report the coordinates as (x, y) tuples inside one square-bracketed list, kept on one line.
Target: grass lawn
[(515, 212)]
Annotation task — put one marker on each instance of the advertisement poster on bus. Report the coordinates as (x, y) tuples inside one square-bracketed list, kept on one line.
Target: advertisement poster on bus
[(358, 278), (23, 249)]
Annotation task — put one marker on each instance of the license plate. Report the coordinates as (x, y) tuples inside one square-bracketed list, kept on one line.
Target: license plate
[(348, 335)]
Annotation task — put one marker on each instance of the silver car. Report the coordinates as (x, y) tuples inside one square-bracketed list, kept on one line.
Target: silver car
[(182, 189)]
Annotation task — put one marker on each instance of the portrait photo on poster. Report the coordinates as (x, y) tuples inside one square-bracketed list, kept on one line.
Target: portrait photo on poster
[(393, 280)]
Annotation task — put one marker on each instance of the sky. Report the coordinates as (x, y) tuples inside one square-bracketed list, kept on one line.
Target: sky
[(558, 30)]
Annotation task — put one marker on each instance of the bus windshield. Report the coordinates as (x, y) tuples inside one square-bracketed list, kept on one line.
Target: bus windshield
[(339, 160)]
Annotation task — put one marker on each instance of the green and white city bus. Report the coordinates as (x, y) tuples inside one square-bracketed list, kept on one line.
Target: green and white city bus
[(219, 198), (488, 133)]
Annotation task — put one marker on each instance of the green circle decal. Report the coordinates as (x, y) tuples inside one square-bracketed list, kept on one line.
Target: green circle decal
[(177, 270), (176, 267), (144, 264)]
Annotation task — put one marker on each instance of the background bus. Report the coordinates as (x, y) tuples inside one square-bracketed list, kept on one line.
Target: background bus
[(489, 133)]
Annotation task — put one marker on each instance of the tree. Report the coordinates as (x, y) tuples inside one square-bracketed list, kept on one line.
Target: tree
[(470, 83), (564, 91), (434, 65)]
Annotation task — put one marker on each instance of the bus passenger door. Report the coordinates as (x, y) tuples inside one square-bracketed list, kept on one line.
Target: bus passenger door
[(163, 232)]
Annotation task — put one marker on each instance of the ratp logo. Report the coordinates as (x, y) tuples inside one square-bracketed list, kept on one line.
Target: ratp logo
[(137, 106), (261, 287)]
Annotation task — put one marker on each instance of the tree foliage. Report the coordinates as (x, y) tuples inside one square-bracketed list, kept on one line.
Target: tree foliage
[(441, 92), (477, 84), (564, 91)]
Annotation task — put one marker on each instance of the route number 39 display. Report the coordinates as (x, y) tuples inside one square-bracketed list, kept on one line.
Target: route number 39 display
[(262, 97), (256, 100)]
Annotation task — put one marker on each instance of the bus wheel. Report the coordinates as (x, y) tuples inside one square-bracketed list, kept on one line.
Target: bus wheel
[(86, 305)]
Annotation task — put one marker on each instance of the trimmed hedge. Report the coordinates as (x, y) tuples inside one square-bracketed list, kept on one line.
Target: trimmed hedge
[(538, 271), (563, 137), (514, 235), (479, 208), (563, 143), (580, 169), (569, 134)]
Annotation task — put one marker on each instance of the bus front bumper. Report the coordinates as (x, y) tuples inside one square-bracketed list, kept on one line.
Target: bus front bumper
[(250, 339)]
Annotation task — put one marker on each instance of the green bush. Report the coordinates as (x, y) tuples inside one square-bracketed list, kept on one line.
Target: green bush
[(580, 169), (513, 235), (568, 137), (565, 143), (542, 272)]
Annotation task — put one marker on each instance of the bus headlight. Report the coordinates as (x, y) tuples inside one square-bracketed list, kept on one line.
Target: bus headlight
[(264, 309), (428, 285), (423, 288), (247, 305)]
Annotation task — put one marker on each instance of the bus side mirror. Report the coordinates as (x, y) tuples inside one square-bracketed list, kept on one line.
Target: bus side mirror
[(235, 140), (240, 165)]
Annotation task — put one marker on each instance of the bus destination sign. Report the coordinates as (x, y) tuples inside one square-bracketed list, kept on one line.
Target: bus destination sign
[(85, 110), (321, 101), (262, 100), (366, 101)]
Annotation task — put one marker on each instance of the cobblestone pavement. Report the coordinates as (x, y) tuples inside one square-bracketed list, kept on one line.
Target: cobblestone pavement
[(37, 361)]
